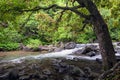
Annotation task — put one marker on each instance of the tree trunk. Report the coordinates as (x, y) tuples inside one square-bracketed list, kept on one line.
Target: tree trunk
[(102, 33)]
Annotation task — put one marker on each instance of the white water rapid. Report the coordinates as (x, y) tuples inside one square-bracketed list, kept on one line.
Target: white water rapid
[(63, 53)]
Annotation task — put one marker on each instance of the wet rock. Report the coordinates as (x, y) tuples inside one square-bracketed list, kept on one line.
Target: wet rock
[(63, 65), (118, 58), (62, 70), (47, 72), (49, 48), (78, 52), (99, 60), (91, 54), (90, 74), (82, 78), (35, 49), (13, 74), (67, 77), (86, 49), (24, 78), (74, 70), (21, 73), (75, 59), (23, 47), (58, 49), (43, 77), (70, 45), (118, 44), (35, 75), (4, 76), (60, 45), (87, 70), (43, 48)]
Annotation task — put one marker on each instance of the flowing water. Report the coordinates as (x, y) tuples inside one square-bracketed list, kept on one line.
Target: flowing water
[(64, 53)]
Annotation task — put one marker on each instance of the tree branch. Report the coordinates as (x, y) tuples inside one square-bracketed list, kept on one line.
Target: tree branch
[(84, 25), (73, 9), (60, 17)]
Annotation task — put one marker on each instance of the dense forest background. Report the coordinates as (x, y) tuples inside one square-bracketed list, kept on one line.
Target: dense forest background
[(41, 27)]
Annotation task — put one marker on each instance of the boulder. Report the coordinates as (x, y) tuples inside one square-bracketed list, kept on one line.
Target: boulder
[(24, 78), (4, 76), (58, 49), (78, 52), (24, 48), (43, 48), (99, 60), (76, 71), (91, 54), (91, 48), (67, 77), (118, 58), (70, 45), (13, 74), (118, 44), (47, 72), (86, 50)]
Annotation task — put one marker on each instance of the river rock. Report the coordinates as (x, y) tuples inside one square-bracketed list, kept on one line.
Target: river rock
[(78, 52), (24, 78), (90, 74), (118, 58), (63, 65), (58, 49), (118, 44), (74, 70), (91, 54), (43, 48), (99, 60), (43, 77), (70, 45), (13, 74), (4, 76), (67, 77), (86, 50), (47, 72), (24, 48)]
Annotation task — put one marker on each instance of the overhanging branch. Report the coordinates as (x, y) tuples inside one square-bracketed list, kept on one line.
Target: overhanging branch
[(73, 9)]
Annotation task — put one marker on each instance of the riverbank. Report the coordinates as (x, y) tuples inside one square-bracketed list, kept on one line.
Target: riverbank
[(51, 69), (78, 62)]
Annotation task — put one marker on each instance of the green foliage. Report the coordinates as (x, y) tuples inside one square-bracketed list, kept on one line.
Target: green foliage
[(46, 27), (62, 34), (33, 43), (9, 46), (9, 35)]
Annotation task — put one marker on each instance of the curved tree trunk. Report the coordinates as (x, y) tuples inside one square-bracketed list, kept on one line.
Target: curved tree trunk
[(102, 33)]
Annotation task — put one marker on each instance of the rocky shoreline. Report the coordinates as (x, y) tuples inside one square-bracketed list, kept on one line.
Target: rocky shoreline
[(51, 69), (74, 62)]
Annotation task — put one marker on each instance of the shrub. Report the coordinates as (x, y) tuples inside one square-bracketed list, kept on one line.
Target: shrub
[(9, 46), (33, 43)]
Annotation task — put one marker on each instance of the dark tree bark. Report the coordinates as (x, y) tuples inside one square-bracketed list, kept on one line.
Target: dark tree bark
[(102, 33)]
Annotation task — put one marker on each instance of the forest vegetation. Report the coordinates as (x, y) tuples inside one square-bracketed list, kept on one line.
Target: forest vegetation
[(36, 23), (34, 28)]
